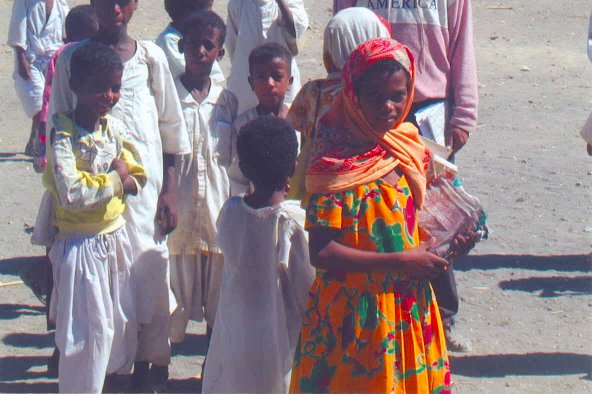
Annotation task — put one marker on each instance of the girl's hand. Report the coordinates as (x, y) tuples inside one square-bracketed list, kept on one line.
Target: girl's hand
[(121, 168), (422, 264), (458, 139), (24, 68), (463, 243)]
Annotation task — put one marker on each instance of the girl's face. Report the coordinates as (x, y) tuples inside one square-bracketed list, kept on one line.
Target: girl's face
[(383, 98), (114, 15)]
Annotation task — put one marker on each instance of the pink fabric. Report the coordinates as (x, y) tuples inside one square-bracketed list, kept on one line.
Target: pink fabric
[(444, 53), (48, 79)]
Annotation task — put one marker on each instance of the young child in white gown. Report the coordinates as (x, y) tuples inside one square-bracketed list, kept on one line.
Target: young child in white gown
[(267, 273)]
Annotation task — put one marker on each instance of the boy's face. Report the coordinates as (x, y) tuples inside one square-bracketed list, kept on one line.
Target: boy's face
[(97, 97), (201, 47), (114, 15), (270, 81)]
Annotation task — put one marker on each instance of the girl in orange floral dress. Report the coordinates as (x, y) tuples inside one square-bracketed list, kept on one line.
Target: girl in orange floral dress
[(372, 323)]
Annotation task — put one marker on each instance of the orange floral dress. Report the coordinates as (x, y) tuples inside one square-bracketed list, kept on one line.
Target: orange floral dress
[(370, 332)]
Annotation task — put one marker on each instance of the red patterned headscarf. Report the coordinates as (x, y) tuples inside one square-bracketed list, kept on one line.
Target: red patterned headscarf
[(348, 152)]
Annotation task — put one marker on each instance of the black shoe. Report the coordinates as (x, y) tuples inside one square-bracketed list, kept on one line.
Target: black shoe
[(53, 364), (140, 377)]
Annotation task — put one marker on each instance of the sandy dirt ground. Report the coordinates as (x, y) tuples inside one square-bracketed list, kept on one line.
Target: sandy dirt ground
[(526, 293)]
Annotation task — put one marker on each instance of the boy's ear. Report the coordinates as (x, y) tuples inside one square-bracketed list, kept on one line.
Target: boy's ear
[(221, 53), (250, 83), (180, 44), (291, 80)]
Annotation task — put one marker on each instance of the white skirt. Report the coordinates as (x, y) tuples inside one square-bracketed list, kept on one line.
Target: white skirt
[(93, 306)]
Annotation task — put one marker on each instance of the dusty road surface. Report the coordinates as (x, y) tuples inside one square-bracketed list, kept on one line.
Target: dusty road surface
[(526, 292)]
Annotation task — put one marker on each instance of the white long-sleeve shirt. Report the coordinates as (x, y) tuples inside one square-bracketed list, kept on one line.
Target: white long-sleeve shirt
[(31, 30)]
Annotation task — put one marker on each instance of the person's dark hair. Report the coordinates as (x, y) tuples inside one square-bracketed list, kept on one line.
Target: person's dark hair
[(267, 52), (178, 9), (204, 20), (92, 63), (267, 150), (81, 23), (386, 66)]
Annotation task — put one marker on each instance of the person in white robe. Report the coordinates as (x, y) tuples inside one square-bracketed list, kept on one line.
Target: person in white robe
[(149, 106), (36, 32), (209, 111), (255, 22), (267, 272)]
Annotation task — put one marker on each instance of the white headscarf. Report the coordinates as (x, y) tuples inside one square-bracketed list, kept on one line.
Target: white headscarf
[(348, 29)]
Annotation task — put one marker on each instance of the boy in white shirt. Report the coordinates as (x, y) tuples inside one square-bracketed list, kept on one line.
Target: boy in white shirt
[(255, 22), (209, 111), (36, 32), (168, 40), (270, 77)]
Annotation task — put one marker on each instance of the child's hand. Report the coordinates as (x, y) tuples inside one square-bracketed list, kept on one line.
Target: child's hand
[(24, 68), (129, 186), (463, 243), (166, 213), (121, 167), (423, 264), (458, 139)]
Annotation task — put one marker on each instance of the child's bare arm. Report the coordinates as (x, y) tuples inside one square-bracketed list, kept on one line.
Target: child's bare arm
[(287, 18), (24, 68), (166, 214), (329, 254)]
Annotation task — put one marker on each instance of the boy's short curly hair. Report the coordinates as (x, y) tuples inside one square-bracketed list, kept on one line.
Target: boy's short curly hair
[(177, 9), (267, 52), (91, 63), (81, 21), (204, 20), (267, 149)]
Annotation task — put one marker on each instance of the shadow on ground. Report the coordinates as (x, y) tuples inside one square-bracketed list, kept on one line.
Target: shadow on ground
[(192, 345), (14, 311), (25, 339), (569, 263), (14, 157), (554, 286), (14, 265), (14, 368), (500, 365)]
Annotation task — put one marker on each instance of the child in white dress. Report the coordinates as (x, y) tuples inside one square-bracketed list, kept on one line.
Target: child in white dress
[(36, 32), (149, 106), (255, 22), (168, 40), (267, 273), (91, 171), (209, 110)]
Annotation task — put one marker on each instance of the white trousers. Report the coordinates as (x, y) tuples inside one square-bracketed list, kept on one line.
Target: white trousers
[(94, 309), (30, 92), (196, 282)]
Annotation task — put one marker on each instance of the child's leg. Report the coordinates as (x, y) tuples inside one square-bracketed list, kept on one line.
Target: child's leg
[(215, 266), (187, 283), (30, 94)]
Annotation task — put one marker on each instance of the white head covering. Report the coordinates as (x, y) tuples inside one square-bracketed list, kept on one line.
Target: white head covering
[(348, 29)]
